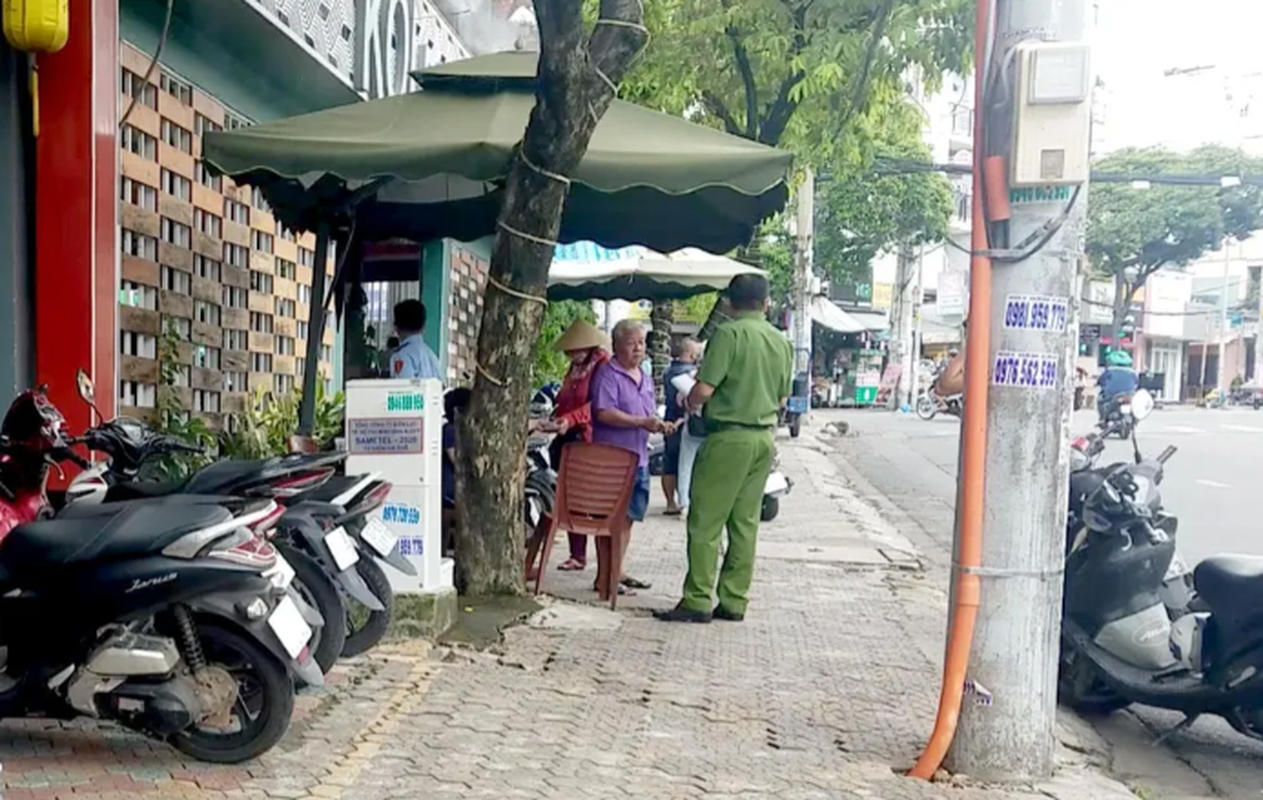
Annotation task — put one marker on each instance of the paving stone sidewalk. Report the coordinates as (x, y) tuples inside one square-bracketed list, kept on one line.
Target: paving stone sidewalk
[(829, 685)]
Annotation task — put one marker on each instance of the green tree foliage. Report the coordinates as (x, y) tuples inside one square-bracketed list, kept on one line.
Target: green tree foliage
[(1133, 233), (173, 419), (551, 365)]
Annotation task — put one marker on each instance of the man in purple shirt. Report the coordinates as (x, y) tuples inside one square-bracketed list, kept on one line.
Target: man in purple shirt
[(624, 413)]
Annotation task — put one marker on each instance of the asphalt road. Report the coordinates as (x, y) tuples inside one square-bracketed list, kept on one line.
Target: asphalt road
[(1212, 484)]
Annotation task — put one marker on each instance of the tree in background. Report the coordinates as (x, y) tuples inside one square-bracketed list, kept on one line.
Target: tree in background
[(1133, 233), (550, 365)]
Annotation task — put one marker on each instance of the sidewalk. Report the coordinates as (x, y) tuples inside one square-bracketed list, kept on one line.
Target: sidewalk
[(831, 682)]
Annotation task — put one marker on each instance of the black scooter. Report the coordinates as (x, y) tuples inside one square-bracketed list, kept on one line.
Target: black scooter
[(1118, 645)]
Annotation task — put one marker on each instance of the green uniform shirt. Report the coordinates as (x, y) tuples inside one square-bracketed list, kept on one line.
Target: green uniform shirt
[(750, 363)]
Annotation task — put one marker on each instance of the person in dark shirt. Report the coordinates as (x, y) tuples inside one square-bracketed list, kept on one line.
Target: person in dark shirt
[(1118, 378), (686, 356)]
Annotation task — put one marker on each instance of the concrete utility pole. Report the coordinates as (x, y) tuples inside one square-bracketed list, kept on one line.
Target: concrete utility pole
[(1006, 729), (1222, 379), (901, 321), (918, 304), (804, 233)]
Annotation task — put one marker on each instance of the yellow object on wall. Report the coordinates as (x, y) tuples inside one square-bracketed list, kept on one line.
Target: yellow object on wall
[(37, 26)]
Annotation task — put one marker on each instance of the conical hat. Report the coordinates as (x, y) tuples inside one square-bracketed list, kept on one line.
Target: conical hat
[(581, 335)]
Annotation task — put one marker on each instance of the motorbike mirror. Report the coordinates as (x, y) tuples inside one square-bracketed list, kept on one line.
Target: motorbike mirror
[(1141, 404), (87, 391)]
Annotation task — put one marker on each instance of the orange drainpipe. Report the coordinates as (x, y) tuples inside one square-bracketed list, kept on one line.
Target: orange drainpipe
[(973, 440)]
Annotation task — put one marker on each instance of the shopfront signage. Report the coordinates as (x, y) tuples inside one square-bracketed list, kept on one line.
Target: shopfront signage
[(390, 436), (405, 402)]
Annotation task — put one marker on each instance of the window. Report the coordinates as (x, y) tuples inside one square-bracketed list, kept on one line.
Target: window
[(258, 200), (285, 308), (962, 120), (261, 241), (145, 93), (206, 357), (208, 223), (326, 352), (180, 326), (286, 234), (236, 212), (236, 340), (181, 376), (138, 194), (260, 282), (176, 185), (205, 267), (139, 142), (207, 313), (173, 280), (232, 121), (203, 124), (306, 257), (137, 295), (205, 401), (179, 138), (141, 345), (260, 362), (282, 385), (176, 88), (260, 323), (300, 366), (284, 346), (302, 330), (304, 294), (234, 297), (176, 233), (206, 177), (236, 255), (286, 269), (137, 395), (236, 382), (139, 245), (964, 205)]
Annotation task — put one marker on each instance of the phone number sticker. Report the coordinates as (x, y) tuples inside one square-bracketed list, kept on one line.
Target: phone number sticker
[(1025, 370), (1035, 313)]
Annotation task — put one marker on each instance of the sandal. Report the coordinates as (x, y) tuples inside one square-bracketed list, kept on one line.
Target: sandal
[(635, 583), (572, 565), (672, 512), (623, 590)]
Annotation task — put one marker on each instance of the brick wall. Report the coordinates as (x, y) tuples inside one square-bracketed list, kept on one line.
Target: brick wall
[(204, 255), (468, 277)]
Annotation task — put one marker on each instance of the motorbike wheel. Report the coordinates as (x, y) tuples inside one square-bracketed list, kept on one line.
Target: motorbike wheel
[(365, 629), (795, 427), (771, 508), (1080, 689), (264, 705), (926, 407), (317, 587)]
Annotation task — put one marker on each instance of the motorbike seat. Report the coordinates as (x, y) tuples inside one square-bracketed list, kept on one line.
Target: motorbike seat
[(135, 529), (141, 490), (223, 477), (1231, 583), (327, 491)]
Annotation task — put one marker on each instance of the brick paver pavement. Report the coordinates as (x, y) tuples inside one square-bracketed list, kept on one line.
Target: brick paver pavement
[(829, 684)]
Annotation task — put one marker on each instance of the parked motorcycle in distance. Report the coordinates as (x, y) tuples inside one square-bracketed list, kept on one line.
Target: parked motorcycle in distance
[(1118, 644), (1116, 415), (930, 404), (168, 618)]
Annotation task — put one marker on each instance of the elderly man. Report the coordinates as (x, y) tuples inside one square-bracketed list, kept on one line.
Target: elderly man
[(742, 384), (624, 413)]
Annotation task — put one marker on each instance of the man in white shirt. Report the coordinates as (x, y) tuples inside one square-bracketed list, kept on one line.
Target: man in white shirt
[(414, 358)]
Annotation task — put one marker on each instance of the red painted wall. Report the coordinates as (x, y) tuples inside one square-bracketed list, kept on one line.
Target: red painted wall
[(76, 206)]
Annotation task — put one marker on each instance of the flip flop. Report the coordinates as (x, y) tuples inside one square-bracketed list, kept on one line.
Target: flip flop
[(671, 512), (571, 565), (635, 583)]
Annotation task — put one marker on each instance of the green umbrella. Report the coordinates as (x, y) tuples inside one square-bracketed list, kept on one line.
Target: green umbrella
[(431, 164)]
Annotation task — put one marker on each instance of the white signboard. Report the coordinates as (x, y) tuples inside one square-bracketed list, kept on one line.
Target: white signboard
[(395, 427)]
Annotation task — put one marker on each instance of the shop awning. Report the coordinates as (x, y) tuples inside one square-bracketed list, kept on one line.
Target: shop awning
[(825, 313), (638, 273)]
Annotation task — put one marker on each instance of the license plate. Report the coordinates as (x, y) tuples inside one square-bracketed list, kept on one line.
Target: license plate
[(797, 405), (1126, 409), (341, 548), (282, 575), (289, 626), (379, 537)]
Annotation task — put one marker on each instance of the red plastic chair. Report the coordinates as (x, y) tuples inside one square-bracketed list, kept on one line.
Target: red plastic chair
[(593, 490)]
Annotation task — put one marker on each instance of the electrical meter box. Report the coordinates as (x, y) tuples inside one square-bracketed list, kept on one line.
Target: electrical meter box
[(395, 428), (1053, 117)]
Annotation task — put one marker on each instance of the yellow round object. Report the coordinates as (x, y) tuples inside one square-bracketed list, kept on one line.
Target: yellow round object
[(37, 26)]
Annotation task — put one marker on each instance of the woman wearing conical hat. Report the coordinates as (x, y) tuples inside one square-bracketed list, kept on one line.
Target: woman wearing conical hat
[(588, 347)]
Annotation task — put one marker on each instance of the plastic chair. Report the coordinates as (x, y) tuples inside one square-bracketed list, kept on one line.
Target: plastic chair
[(593, 490)]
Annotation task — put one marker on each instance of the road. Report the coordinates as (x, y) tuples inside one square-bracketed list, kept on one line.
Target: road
[(1210, 484)]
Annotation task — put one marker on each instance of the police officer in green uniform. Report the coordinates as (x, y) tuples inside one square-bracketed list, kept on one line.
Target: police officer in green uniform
[(744, 380)]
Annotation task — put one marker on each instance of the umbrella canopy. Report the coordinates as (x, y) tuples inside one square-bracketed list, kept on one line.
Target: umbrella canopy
[(638, 273), (431, 164), (826, 313)]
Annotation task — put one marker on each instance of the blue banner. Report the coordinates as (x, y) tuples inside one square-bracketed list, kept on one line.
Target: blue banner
[(590, 251)]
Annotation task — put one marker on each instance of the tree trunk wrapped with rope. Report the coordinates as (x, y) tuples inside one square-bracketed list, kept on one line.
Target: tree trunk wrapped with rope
[(578, 77)]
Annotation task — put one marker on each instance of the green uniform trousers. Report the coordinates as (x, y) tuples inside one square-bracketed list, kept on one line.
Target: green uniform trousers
[(729, 476)]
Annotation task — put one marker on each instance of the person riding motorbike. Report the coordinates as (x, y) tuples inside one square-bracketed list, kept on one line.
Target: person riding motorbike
[(1117, 379)]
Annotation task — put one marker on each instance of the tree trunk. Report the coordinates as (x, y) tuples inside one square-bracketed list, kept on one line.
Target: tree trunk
[(1122, 299), (662, 319), (720, 313), (570, 98)]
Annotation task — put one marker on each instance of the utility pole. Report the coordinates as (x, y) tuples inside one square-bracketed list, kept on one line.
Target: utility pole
[(901, 318), (918, 304), (804, 233), (1037, 122), (1222, 379)]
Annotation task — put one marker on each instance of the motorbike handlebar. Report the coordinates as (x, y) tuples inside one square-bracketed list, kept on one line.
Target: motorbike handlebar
[(1166, 454)]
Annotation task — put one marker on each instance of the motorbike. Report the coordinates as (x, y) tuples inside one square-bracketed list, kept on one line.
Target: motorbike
[(1116, 413), (1119, 645), (171, 619), (930, 404), (312, 535)]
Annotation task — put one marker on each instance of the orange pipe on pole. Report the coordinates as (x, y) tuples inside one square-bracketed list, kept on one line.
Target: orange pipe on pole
[(973, 438)]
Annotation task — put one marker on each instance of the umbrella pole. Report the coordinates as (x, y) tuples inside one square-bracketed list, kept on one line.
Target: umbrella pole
[(315, 333)]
